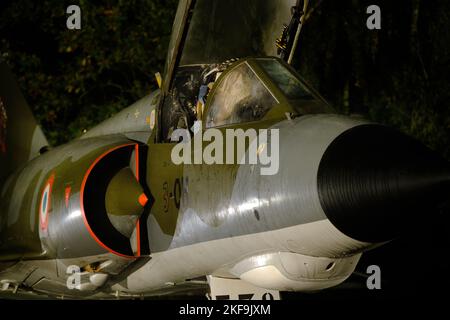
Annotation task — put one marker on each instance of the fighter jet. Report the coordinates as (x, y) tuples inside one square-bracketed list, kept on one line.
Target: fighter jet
[(111, 214)]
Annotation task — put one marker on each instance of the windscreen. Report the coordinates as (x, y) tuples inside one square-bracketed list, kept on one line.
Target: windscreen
[(301, 98)]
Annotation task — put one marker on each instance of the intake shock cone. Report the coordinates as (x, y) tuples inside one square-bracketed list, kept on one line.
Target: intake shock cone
[(125, 201)]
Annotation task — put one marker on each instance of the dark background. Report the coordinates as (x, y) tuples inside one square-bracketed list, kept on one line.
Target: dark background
[(397, 76), (75, 79)]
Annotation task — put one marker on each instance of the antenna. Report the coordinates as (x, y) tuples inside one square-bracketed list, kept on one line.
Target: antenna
[(299, 28), (288, 41)]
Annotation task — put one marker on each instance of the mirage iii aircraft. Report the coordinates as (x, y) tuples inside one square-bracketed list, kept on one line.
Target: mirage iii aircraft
[(111, 215)]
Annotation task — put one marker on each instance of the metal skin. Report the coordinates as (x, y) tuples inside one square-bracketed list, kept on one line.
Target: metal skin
[(255, 216), (229, 221)]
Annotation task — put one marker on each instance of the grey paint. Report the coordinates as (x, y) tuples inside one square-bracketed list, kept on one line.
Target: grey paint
[(134, 118), (285, 199)]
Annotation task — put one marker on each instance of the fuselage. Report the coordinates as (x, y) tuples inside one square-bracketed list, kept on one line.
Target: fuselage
[(213, 231)]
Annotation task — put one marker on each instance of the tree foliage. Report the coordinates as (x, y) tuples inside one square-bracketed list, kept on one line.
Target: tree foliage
[(397, 75), (74, 79)]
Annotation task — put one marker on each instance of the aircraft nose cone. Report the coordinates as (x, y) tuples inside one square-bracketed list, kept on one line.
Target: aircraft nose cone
[(374, 182)]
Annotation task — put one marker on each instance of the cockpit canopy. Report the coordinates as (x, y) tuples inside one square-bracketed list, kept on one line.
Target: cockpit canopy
[(252, 88), (210, 32), (235, 92)]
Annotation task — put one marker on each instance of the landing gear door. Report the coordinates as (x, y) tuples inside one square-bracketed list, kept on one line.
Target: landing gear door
[(237, 289)]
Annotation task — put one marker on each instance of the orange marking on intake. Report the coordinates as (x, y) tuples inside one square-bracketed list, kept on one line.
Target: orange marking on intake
[(67, 195), (143, 199), (138, 239), (83, 184)]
